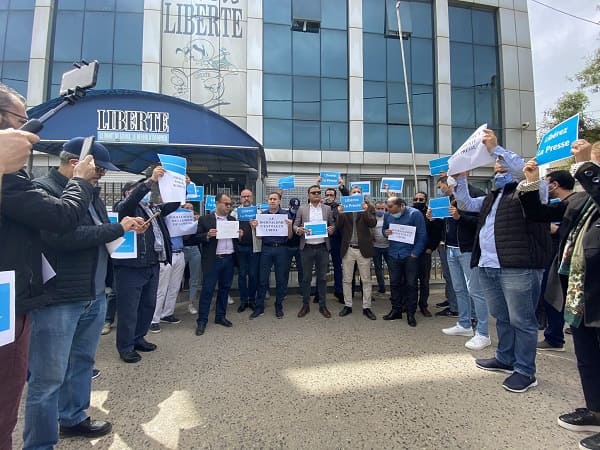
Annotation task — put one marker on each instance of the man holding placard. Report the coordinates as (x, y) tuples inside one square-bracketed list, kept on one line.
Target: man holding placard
[(357, 247), (314, 223), (274, 228), (405, 228)]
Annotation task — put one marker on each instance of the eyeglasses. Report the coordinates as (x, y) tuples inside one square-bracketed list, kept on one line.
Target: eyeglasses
[(21, 118), (100, 170), (226, 203), (315, 192), (419, 200)]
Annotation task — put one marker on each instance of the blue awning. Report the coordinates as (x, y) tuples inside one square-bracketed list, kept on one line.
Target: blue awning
[(136, 125)]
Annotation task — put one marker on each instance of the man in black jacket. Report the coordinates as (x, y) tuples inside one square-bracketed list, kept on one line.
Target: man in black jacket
[(434, 236), (65, 332), (136, 279), (24, 211)]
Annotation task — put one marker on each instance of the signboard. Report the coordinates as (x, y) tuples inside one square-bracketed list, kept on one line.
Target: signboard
[(556, 143), (352, 203), (391, 185), (437, 166), (329, 179), (246, 213), (287, 182), (364, 185), (440, 207)]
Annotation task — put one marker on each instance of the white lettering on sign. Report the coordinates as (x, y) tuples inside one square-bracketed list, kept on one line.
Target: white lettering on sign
[(142, 121)]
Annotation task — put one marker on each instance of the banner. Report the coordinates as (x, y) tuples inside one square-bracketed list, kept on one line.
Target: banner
[(352, 203), (437, 166), (287, 182), (556, 143), (197, 195), (181, 222), (124, 247), (210, 203), (364, 185), (315, 230), (391, 185), (471, 154), (172, 184), (7, 307), (272, 225), (440, 207), (246, 213), (329, 179)]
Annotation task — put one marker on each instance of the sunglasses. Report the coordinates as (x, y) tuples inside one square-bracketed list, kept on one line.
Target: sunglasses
[(226, 203), (315, 192), (419, 200)]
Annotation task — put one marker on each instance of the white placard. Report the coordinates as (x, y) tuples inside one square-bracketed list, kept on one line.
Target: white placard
[(7, 307), (471, 154), (47, 271), (272, 225), (402, 233), (315, 230), (181, 223), (228, 229)]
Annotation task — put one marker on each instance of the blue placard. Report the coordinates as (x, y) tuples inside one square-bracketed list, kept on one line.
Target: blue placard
[(190, 189), (364, 185), (393, 185), (197, 196), (440, 213), (556, 143), (210, 203), (330, 179), (440, 202), (352, 203), (287, 182), (173, 163), (246, 213), (128, 246), (436, 166), (263, 206), (4, 306), (317, 229)]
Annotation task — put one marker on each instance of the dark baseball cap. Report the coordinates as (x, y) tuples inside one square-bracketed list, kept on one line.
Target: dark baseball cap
[(99, 152), (294, 203), (129, 185)]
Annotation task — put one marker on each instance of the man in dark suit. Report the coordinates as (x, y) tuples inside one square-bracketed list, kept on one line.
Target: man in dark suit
[(217, 263), (315, 251), (357, 247)]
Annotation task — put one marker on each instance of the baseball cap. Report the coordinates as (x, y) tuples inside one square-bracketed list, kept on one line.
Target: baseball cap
[(99, 152), (294, 203)]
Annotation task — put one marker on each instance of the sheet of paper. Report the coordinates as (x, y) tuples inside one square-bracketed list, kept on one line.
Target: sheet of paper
[(47, 270), (172, 184), (402, 233), (315, 230), (471, 154), (7, 307), (181, 222), (227, 229), (272, 225)]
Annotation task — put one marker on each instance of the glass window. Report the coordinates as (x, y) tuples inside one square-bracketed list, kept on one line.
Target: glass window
[(305, 60), (128, 39), (277, 58), (422, 19), (424, 139), (306, 135), (422, 105), (277, 11), (18, 36), (459, 136), (98, 37), (334, 13), (374, 103), (130, 6), (484, 28), (334, 99), (334, 54), (374, 57), (460, 24), (421, 62), (461, 64), (77, 5), (487, 107), (373, 16), (391, 17), (67, 35), (22, 4), (306, 98), (398, 137), (100, 5), (397, 111), (306, 9), (127, 76), (394, 59), (277, 133), (334, 136), (15, 75), (3, 18), (277, 96), (375, 137), (486, 65), (463, 107)]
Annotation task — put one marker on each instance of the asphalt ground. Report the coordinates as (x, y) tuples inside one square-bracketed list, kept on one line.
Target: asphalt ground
[(316, 383)]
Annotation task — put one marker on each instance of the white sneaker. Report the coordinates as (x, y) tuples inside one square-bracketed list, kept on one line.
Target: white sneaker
[(478, 342), (230, 300), (106, 328), (457, 330), (192, 309)]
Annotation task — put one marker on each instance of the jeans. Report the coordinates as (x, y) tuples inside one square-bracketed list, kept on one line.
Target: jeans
[(294, 253), (465, 281), (222, 273), (335, 243), (64, 340), (247, 273), (587, 350), (512, 296), (276, 257), (111, 304), (136, 301), (423, 276), (193, 258), (380, 255), (450, 295), (315, 255), (403, 283)]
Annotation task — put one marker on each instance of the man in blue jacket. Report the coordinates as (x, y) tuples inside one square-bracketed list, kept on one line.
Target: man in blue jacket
[(405, 228)]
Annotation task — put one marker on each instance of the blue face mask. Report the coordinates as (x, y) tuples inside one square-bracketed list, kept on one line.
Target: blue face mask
[(502, 179), (397, 215), (380, 213)]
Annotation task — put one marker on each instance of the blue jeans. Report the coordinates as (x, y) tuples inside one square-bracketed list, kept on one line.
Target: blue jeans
[(64, 340), (403, 283), (193, 259), (222, 273), (136, 301), (247, 273), (450, 294), (380, 255), (294, 253), (465, 282), (276, 257), (512, 296)]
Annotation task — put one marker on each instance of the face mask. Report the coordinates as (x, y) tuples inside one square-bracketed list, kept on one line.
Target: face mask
[(420, 206), (451, 182), (294, 210), (502, 179), (356, 193), (146, 198), (551, 193), (439, 193), (379, 213), (397, 215)]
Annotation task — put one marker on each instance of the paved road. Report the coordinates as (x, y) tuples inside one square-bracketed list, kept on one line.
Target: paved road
[(314, 383)]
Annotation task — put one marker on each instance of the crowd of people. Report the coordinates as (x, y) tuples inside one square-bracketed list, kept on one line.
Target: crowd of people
[(503, 253)]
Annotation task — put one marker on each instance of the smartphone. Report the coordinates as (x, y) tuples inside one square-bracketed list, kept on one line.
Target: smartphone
[(153, 216), (86, 147), (84, 76)]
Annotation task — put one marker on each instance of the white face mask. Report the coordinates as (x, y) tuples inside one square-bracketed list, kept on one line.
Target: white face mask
[(451, 182)]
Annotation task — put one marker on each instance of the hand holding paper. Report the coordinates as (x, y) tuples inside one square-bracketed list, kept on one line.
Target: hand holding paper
[(490, 140), (158, 172)]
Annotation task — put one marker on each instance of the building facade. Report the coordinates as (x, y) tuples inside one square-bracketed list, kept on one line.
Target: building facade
[(319, 83)]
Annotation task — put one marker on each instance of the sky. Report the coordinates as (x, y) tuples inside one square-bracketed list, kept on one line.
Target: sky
[(560, 46)]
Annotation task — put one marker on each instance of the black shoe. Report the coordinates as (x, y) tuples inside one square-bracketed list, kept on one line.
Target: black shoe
[(200, 329), (252, 305), (95, 373), (170, 319), (393, 315), (256, 313), (591, 442), (88, 428), (223, 321), (130, 357), (446, 313), (494, 365), (412, 322), (242, 307), (144, 346), (443, 304), (425, 311), (381, 291), (279, 313), (339, 296), (325, 312), (367, 312), (345, 311)]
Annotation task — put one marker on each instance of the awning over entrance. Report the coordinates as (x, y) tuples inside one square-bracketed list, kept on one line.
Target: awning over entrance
[(136, 125)]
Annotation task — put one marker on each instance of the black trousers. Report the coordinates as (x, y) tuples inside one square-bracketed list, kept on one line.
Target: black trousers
[(587, 350), (423, 276)]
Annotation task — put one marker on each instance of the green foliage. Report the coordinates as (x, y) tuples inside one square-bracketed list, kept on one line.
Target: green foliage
[(589, 77), (569, 104)]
